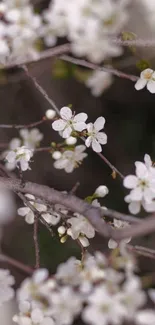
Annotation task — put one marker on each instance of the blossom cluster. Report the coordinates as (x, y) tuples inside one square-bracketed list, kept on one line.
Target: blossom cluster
[(94, 289), (20, 150), (87, 25), (142, 186), (69, 122), (6, 283)]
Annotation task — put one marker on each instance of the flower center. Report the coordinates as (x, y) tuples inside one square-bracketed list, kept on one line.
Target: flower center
[(148, 75)]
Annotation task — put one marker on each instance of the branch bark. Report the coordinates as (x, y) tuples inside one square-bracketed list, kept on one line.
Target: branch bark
[(94, 215)]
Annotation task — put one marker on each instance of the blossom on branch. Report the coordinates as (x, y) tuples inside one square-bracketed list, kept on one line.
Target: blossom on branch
[(95, 137), (6, 283), (21, 157), (71, 159), (80, 229), (112, 244), (69, 122), (98, 82), (147, 78)]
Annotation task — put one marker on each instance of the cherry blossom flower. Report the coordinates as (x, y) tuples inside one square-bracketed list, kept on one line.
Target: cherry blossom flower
[(80, 229), (98, 82), (145, 317), (63, 309), (14, 144), (95, 137), (6, 283), (142, 187), (112, 244), (31, 139), (52, 218), (71, 159), (69, 122), (21, 156), (147, 78)]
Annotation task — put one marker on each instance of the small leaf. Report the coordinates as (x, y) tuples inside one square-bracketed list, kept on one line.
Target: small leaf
[(143, 64)]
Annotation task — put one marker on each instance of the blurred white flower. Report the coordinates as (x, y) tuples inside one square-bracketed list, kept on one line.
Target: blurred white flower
[(6, 283), (69, 122), (71, 159), (98, 82), (95, 137), (21, 156), (147, 78), (50, 114), (145, 317), (31, 138)]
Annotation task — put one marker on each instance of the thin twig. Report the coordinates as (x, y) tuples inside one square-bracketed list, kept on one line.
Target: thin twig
[(93, 66), (74, 188), (40, 89), (60, 49), (17, 264), (144, 251), (54, 106), (20, 126), (36, 242)]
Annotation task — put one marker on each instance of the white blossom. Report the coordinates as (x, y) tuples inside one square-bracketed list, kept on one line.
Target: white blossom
[(69, 122), (145, 317), (71, 159), (20, 156), (112, 244), (51, 217), (80, 228), (98, 82), (95, 137), (147, 78), (6, 283), (142, 186), (56, 155), (66, 304), (31, 139)]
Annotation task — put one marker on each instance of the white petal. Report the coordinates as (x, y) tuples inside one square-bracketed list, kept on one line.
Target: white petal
[(81, 117), (96, 146), (112, 244), (88, 141), (11, 156), (130, 181), (70, 167), (134, 207), (23, 211), (136, 194), (40, 275), (90, 127), (30, 218), (141, 169), (58, 125), (67, 132), (60, 163), (24, 165), (101, 137), (148, 161), (151, 86), (84, 241), (140, 84), (145, 317), (79, 126), (66, 113), (99, 123)]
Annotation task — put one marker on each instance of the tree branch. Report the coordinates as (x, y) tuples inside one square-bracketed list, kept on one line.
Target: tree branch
[(94, 215), (17, 264)]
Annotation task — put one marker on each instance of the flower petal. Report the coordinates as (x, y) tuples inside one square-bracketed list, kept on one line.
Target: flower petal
[(140, 84), (136, 194), (134, 207), (90, 127), (99, 123), (23, 211), (30, 218), (60, 163), (112, 244), (66, 113), (88, 141), (81, 117), (79, 126), (67, 132), (141, 169), (130, 181), (101, 137), (96, 146), (58, 125), (151, 86)]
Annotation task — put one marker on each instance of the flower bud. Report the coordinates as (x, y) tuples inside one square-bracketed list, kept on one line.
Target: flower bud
[(63, 239), (56, 155), (50, 114), (61, 230), (71, 140), (101, 191), (84, 241)]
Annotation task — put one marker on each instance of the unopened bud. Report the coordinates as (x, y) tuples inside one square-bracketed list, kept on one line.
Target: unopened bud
[(101, 191), (50, 114), (61, 230), (63, 239), (56, 155), (71, 140)]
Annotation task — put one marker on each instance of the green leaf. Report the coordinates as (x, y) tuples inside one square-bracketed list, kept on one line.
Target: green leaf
[(143, 64)]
